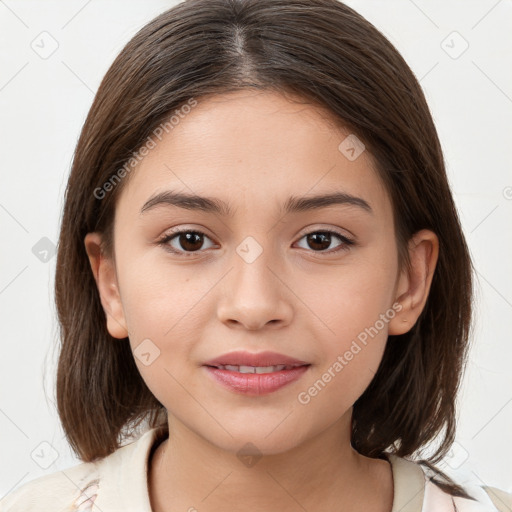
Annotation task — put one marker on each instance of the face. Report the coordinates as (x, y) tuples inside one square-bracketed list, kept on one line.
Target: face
[(316, 284)]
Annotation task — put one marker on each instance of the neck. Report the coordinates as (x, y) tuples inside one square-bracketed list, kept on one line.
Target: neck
[(187, 472)]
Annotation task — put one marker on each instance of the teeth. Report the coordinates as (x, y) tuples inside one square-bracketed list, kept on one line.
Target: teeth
[(254, 369)]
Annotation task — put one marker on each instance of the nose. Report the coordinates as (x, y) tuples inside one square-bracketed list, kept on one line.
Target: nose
[(253, 295)]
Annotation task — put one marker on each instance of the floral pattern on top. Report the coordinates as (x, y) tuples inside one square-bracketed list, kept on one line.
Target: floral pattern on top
[(85, 501)]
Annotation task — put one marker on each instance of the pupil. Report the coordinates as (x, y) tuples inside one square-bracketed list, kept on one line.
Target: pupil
[(325, 242), (189, 241)]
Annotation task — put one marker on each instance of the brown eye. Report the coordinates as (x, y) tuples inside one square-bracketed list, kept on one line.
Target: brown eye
[(190, 241), (184, 241), (320, 241), (187, 242)]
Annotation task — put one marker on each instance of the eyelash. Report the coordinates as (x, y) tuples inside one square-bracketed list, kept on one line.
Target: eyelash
[(164, 241)]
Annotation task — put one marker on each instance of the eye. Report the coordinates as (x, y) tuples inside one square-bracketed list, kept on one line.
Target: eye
[(323, 239), (187, 241)]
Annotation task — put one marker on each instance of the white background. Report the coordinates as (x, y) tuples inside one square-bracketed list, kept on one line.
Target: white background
[(43, 103)]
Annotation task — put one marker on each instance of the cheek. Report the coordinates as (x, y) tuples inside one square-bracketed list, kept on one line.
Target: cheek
[(351, 350), (351, 298), (156, 295), (354, 309), (337, 385), (164, 321), (164, 316)]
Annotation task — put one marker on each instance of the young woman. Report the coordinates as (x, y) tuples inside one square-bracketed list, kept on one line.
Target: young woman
[(260, 260)]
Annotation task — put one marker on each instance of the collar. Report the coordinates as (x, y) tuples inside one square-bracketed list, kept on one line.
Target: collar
[(408, 485)]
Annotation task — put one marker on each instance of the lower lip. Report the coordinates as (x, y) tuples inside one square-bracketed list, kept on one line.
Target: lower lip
[(256, 384)]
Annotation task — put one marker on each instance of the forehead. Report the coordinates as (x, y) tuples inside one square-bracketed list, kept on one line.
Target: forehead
[(254, 146)]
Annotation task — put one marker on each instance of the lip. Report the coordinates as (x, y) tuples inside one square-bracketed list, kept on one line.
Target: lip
[(244, 358), (256, 384)]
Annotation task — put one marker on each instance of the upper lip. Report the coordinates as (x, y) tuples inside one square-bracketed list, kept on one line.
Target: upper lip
[(243, 358)]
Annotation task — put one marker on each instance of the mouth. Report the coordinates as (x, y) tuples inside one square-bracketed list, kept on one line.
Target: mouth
[(265, 362), (255, 374), (255, 369), (255, 380)]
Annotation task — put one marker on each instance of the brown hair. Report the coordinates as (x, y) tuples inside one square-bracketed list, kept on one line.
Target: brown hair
[(327, 54)]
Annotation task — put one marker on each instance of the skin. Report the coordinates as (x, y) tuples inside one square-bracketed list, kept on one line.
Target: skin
[(254, 150)]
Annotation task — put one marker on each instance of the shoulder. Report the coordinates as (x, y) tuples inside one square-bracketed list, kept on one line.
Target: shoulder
[(485, 499), (415, 490), (62, 491), (118, 481), (502, 500)]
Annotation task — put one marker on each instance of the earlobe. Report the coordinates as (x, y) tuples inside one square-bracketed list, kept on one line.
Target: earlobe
[(103, 270), (413, 285)]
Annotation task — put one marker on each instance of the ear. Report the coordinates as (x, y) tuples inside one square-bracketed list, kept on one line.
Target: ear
[(104, 272), (413, 286)]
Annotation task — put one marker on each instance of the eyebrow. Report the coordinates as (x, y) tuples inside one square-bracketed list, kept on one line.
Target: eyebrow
[(215, 205)]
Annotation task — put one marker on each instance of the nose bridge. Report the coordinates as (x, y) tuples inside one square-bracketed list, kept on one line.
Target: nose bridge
[(252, 268), (253, 294)]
